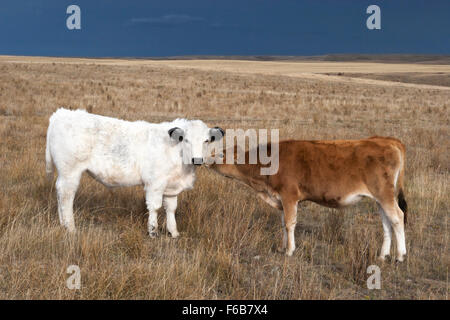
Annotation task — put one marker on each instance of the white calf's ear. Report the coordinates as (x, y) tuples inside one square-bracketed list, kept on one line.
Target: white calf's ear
[(216, 134), (176, 134)]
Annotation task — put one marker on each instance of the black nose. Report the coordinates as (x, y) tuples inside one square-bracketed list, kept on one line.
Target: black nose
[(197, 161)]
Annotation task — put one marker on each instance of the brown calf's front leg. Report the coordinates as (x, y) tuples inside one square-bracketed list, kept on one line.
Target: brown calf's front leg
[(290, 219), (275, 203), (283, 243)]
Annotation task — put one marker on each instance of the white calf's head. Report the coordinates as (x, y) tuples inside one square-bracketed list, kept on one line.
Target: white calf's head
[(194, 138)]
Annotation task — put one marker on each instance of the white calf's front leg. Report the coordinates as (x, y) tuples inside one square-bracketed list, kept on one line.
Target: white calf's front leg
[(170, 205), (66, 187), (153, 199)]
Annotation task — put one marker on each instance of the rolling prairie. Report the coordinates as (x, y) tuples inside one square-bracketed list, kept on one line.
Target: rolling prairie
[(228, 236)]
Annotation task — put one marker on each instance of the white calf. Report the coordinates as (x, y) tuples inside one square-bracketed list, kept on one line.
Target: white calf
[(121, 153)]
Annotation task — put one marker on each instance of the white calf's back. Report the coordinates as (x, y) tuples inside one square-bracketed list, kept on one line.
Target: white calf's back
[(116, 152)]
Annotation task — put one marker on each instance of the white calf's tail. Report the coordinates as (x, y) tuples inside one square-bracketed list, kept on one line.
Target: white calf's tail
[(48, 159)]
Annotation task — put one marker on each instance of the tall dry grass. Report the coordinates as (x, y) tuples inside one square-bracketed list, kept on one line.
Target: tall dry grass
[(227, 246)]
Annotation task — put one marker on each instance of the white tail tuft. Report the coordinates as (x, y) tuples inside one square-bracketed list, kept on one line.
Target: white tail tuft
[(48, 161)]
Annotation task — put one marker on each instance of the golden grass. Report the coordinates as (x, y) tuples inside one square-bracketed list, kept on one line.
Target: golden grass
[(227, 246)]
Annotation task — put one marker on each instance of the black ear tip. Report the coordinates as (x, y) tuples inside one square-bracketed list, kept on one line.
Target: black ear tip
[(172, 130), (221, 130)]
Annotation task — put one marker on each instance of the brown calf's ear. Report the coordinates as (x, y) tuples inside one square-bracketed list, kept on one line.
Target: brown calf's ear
[(216, 134), (176, 134)]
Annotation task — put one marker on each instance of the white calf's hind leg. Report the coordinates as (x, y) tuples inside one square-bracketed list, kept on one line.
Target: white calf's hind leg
[(387, 236), (153, 200), (66, 187), (170, 205)]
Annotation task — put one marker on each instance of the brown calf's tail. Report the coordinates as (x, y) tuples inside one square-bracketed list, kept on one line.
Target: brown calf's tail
[(401, 197), (403, 205)]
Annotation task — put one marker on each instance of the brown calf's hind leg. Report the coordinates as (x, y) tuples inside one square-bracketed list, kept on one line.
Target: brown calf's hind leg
[(396, 218), (387, 234)]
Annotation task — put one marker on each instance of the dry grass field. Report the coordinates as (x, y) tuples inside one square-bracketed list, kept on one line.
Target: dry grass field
[(228, 236)]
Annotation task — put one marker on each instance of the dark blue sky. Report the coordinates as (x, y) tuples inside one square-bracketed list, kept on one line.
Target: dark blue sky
[(226, 27)]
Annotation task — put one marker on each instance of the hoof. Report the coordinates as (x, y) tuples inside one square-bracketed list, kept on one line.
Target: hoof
[(153, 234), (281, 249), (174, 235), (400, 259), (71, 229), (153, 231), (386, 258), (289, 253)]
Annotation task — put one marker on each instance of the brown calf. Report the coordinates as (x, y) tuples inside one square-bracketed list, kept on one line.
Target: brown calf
[(333, 174)]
